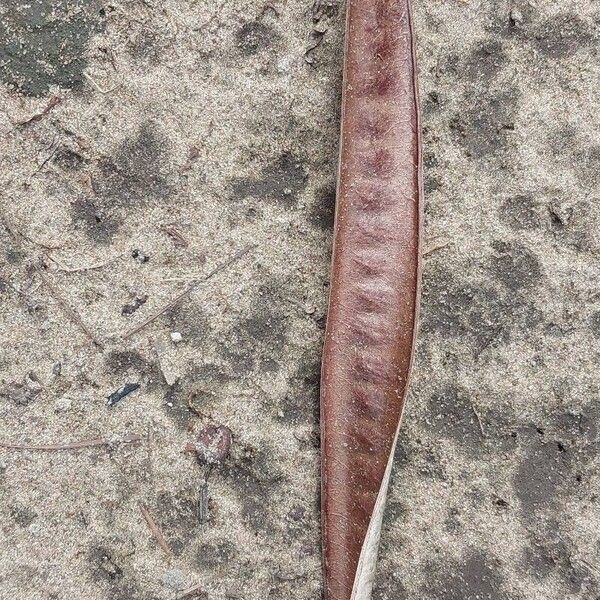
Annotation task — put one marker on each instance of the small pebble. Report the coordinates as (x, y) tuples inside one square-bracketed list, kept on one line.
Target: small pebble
[(36, 528), (33, 383), (176, 337), (516, 16), (63, 404)]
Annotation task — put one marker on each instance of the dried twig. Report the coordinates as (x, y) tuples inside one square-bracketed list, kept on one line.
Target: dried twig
[(68, 310), (175, 235), (96, 85), (54, 101), (190, 593), (191, 287), (169, 375), (46, 160), (17, 234), (128, 439), (480, 423), (154, 528), (437, 247), (589, 566), (66, 269), (203, 503)]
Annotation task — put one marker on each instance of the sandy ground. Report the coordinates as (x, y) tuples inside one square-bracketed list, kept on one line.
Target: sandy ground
[(145, 145)]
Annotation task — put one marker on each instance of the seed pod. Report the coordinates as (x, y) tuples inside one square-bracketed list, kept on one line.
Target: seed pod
[(375, 286), (212, 445)]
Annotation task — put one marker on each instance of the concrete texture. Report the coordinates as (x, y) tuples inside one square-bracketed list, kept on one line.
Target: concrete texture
[(178, 133)]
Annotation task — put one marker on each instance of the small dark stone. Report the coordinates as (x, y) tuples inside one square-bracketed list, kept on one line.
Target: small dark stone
[(129, 309), (140, 256), (501, 502)]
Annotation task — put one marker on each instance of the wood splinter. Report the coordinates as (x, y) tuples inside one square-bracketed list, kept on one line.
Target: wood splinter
[(128, 439), (155, 529)]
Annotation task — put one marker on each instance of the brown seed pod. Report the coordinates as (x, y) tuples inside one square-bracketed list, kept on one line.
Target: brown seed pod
[(212, 445), (374, 297)]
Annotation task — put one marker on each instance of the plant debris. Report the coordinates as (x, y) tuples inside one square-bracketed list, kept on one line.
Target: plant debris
[(92, 267), (54, 101), (315, 39), (170, 375), (203, 508), (435, 247), (191, 287), (121, 393), (193, 592), (67, 309), (128, 439), (175, 235), (155, 529), (212, 445)]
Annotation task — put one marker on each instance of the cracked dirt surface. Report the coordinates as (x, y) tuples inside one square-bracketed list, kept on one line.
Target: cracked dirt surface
[(144, 144)]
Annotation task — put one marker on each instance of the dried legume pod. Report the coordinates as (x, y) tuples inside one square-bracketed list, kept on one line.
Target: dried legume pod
[(374, 289)]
